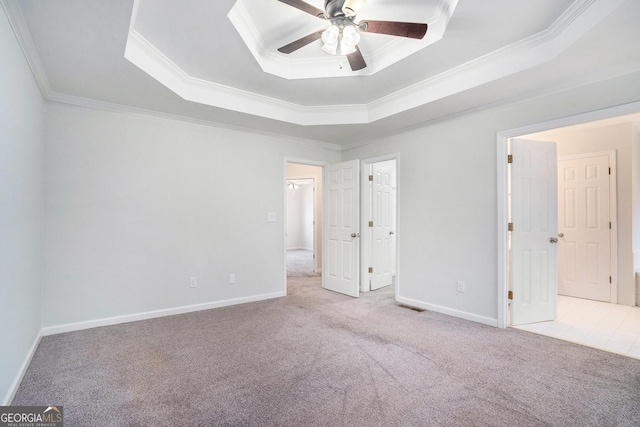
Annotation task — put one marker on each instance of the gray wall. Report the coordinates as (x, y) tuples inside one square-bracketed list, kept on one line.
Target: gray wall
[(21, 210), (136, 205)]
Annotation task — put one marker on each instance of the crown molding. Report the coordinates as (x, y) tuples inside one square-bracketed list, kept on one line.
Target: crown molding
[(580, 17), (21, 31), (18, 24), (123, 109), (630, 108), (535, 50), (532, 51), (148, 58)]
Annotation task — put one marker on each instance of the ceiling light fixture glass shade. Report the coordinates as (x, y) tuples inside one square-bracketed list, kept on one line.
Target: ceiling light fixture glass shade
[(352, 7), (346, 39), (331, 38), (350, 38)]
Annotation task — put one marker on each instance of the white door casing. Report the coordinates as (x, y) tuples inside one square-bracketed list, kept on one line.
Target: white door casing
[(584, 224), (383, 230), (341, 244), (534, 248)]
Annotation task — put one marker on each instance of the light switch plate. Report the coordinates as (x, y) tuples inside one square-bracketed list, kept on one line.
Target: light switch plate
[(272, 217)]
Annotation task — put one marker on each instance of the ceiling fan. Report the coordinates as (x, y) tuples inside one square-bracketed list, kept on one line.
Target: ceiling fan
[(343, 36)]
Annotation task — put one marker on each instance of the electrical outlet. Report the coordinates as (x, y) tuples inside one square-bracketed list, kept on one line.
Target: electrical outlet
[(232, 278), (461, 287), (193, 282)]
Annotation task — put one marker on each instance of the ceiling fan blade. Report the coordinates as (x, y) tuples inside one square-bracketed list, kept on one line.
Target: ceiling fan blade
[(356, 61), (302, 42), (402, 29), (305, 7)]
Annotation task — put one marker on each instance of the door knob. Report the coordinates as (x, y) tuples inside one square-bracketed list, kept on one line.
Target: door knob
[(391, 232), (553, 240), (561, 235), (354, 235)]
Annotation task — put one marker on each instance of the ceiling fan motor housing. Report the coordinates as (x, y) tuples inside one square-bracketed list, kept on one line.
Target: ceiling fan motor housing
[(334, 8)]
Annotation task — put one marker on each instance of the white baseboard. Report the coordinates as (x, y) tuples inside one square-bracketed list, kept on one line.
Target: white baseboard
[(11, 393), (70, 327), (449, 311)]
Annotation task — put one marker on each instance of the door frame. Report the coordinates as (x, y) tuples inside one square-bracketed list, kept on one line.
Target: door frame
[(284, 210), (365, 200), (502, 138), (613, 213)]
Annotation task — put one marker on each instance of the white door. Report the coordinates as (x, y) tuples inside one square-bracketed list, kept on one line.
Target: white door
[(383, 227), (583, 223), (534, 248), (340, 272)]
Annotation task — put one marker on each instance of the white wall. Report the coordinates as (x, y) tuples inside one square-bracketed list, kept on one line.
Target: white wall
[(21, 210), (618, 138), (136, 205), (447, 186), (300, 216)]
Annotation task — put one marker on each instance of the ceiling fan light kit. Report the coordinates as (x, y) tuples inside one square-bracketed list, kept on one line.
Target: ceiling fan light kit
[(343, 35), (346, 39)]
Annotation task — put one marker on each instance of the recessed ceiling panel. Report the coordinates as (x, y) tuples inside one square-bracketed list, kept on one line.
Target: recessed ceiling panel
[(268, 25)]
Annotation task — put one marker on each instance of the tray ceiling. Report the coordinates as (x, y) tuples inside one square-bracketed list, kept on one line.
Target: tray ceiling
[(180, 43), (186, 60)]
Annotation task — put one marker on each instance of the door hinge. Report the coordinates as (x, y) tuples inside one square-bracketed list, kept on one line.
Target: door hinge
[(510, 226), (370, 269), (609, 171), (510, 158), (371, 178), (609, 225), (370, 223), (510, 295), (610, 280)]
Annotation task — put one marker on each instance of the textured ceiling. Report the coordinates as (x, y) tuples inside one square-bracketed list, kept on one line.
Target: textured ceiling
[(491, 52)]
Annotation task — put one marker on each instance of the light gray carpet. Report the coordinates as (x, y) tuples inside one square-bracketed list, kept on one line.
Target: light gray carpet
[(316, 358), (300, 263)]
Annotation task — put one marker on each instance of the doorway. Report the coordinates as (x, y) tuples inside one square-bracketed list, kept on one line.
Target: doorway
[(561, 228), (613, 126), (300, 242), (303, 233)]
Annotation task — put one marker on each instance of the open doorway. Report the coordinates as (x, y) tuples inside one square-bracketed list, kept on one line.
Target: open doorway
[(588, 151), (303, 235), (300, 227)]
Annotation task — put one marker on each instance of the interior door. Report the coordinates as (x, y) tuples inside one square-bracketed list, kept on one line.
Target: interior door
[(340, 272), (534, 215), (583, 222), (383, 230)]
